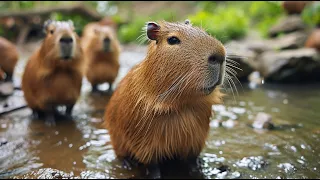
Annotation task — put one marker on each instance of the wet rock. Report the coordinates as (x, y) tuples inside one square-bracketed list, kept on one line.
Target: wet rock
[(313, 40), (263, 121), (292, 40), (6, 88), (49, 173), (286, 25), (243, 56), (287, 167), (3, 141), (255, 79), (229, 123), (253, 163), (290, 65), (94, 175), (224, 168)]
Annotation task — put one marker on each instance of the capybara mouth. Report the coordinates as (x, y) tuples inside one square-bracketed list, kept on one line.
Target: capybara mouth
[(66, 58), (208, 90)]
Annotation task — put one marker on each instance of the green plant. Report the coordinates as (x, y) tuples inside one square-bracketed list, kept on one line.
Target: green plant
[(131, 31), (78, 20), (264, 14), (311, 14), (225, 23)]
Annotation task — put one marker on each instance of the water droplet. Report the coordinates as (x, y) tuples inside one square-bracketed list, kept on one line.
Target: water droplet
[(303, 146), (70, 145)]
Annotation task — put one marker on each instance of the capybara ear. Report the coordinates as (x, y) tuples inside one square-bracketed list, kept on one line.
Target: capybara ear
[(152, 30), (46, 25), (187, 21)]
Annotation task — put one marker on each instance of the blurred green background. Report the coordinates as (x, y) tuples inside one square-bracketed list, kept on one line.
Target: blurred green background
[(224, 20)]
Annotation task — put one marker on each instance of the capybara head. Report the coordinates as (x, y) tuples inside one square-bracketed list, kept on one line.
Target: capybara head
[(103, 37), (183, 59), (61, 42)]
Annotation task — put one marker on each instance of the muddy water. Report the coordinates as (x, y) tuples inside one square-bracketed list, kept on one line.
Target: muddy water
[(80, 148)]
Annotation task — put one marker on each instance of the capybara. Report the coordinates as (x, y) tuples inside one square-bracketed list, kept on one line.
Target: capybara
[(53, 74), (101, 49), (9, 57), (161, 109)]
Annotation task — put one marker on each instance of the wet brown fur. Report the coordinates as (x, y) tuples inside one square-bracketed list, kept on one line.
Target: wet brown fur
[(9, 56), (149, 127), (101, 66), (48, 79)]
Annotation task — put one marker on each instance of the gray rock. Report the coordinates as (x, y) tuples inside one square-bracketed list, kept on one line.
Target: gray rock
[(240, 53), (290, 65), (49, 173), (6, 88), (292, 40), (253, 163), (286, 25), (263, 121)]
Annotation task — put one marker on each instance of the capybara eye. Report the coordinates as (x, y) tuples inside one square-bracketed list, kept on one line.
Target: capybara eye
[(173, 40), (51, 31)]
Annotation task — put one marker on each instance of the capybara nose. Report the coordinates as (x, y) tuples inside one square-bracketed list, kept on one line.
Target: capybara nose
[(66, 40), (106, 44), (216, 59), (106, 40)]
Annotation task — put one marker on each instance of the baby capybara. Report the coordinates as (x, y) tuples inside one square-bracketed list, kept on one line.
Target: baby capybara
[(54, 72), (160, 111), (9, 58), (101, 50)]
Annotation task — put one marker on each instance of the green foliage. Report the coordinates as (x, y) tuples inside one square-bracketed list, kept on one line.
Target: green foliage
[(207, 6), (264, 14), (131, 31), (78, 20), (311, 14), (225, 23)]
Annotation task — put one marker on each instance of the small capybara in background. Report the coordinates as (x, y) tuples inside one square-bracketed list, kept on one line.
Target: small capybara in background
[(53, 75), (9, 57), (101, 49), (161, 109)]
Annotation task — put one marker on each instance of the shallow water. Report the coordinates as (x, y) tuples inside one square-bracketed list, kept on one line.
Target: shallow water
[(81, 148)]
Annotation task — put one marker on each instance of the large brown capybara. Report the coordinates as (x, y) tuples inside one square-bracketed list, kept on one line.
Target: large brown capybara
[(53, 74), (161, 109), (101, 49), (8, 58)]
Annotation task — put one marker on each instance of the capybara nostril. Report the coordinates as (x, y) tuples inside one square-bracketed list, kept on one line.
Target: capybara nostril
[(66, 40), (214, 59), (106, 40)]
